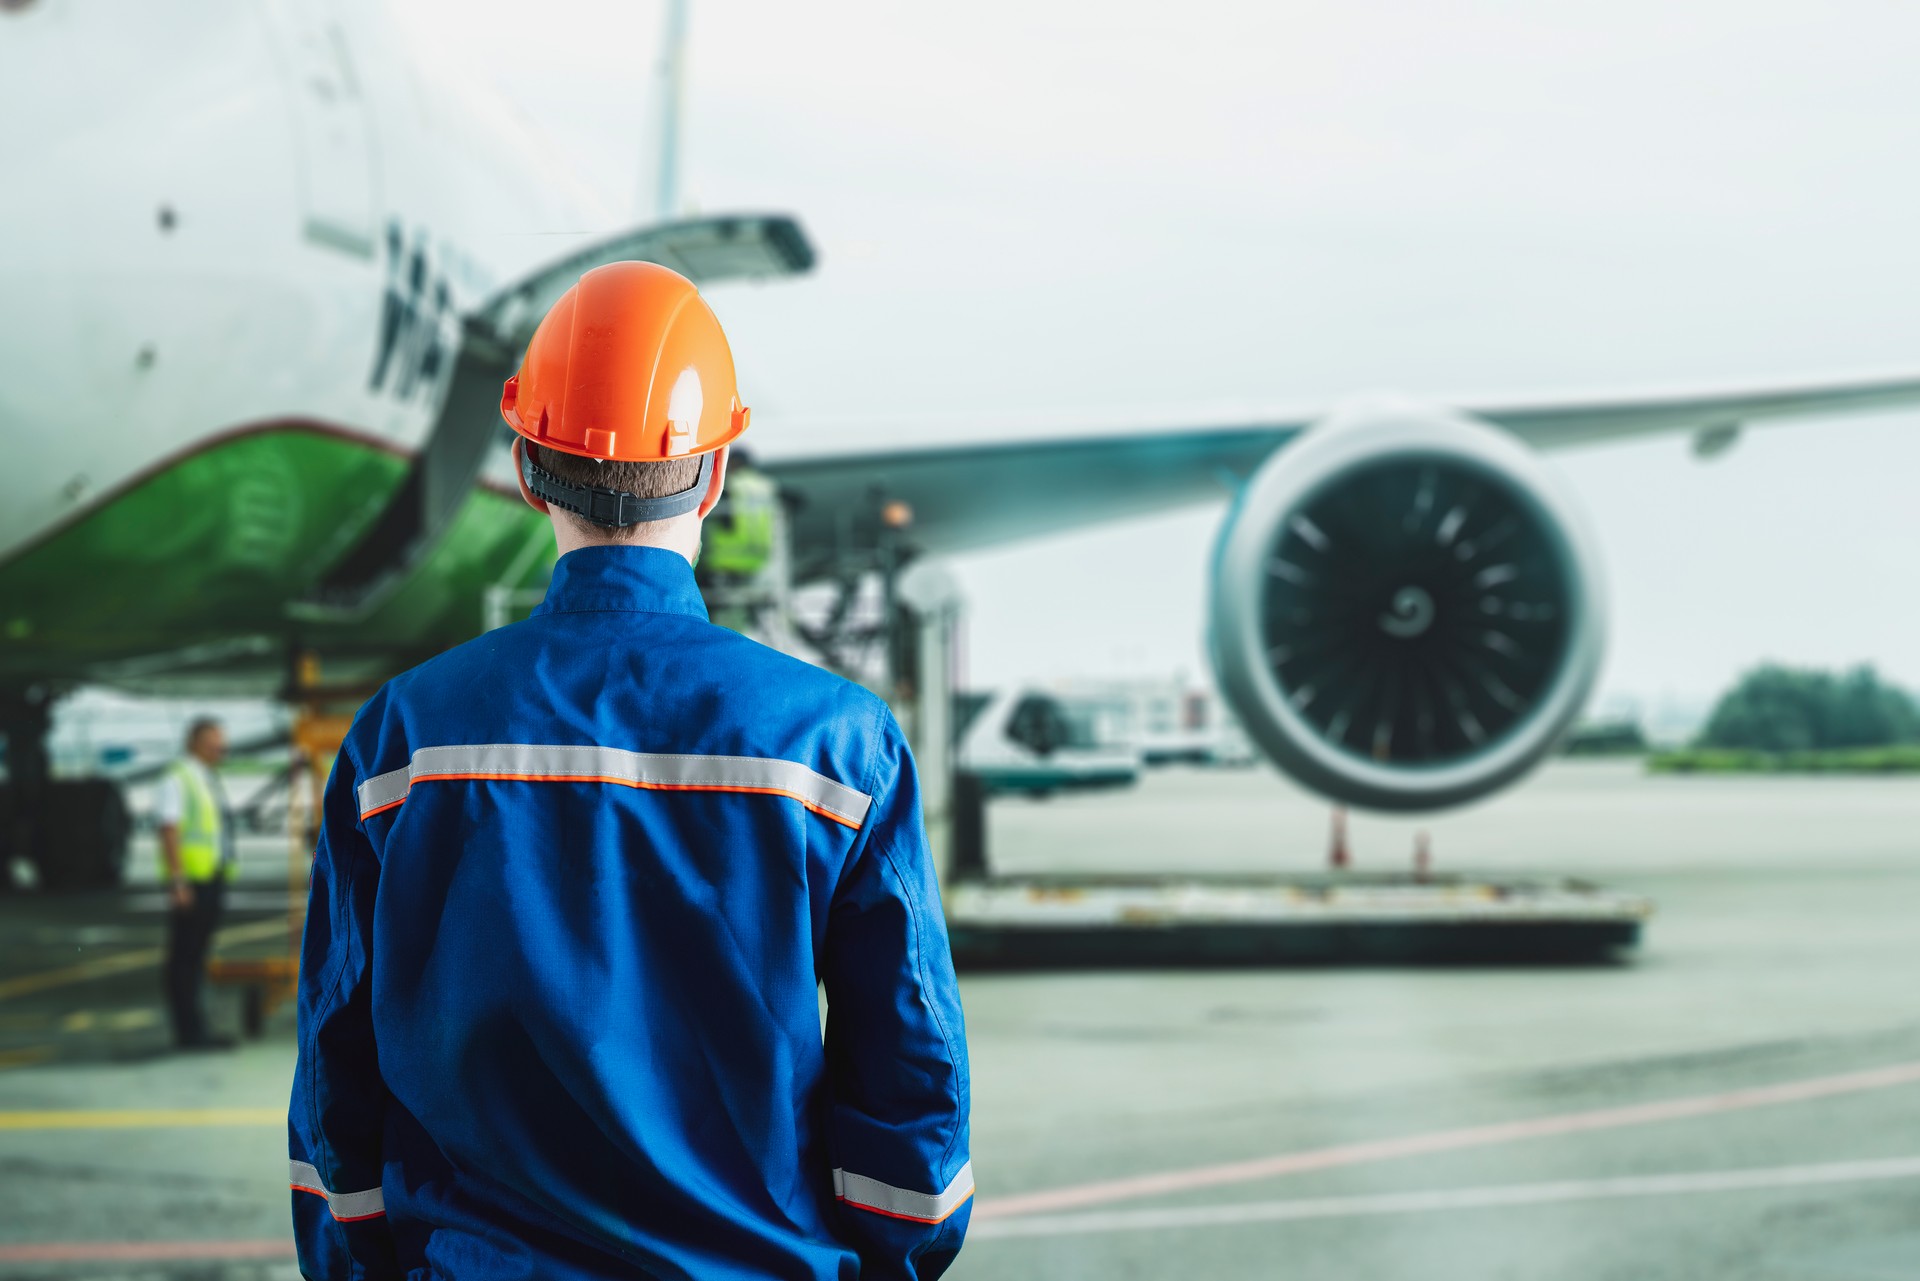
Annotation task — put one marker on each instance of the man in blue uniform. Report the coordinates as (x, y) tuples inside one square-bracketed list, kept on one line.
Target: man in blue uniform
[(580, 880)]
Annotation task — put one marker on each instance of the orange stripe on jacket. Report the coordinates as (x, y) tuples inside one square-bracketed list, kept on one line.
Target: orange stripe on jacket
[(910, 1218), (322, 1194)]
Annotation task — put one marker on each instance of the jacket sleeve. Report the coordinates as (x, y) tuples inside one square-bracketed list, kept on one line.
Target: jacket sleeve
[(896, 1046), (338, 1110)]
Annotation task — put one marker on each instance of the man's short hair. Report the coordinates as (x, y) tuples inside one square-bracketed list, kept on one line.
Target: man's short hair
[(198, 726), (642, 480)]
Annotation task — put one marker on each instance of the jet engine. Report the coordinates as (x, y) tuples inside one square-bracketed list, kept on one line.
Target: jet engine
[(1406, 608)]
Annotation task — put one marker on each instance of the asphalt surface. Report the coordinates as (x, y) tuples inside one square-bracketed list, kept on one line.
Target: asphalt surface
[(1738, 1098)]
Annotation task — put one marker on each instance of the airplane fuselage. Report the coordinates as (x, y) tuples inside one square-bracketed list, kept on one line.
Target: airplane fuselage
[(229, 301)]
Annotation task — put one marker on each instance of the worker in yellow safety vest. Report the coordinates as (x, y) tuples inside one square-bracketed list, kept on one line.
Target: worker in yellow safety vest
[(196, 862), (737, 541)]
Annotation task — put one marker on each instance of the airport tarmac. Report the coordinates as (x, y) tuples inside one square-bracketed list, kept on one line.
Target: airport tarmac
[(1740, 1097)]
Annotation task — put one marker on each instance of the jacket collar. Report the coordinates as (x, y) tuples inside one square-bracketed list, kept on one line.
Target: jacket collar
[(627, 577)]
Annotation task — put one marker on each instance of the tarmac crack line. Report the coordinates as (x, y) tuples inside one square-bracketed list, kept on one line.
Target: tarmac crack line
[(1168, 1182)]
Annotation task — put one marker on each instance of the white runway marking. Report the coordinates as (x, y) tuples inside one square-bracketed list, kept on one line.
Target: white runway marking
[(1369, 1151), (1344, 1207)]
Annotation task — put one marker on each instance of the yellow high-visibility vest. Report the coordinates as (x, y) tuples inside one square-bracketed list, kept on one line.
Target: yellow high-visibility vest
[(740, 540), (200, 827)]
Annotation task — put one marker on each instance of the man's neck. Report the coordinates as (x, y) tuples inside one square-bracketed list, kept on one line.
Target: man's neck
[(680, 536)]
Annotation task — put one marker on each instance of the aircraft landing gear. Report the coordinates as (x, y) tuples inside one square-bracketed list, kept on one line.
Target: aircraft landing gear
[(74, 832)]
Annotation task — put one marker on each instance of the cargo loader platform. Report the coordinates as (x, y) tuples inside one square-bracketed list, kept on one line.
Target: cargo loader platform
[(1335, 918)]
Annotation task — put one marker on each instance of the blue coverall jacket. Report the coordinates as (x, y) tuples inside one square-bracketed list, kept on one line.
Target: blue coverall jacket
[(578, 884)]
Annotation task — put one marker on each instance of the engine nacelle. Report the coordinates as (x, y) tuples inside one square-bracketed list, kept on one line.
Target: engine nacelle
[(1407, 608)]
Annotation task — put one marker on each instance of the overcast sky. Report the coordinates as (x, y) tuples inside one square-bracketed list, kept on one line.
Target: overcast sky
[(1134, 209)]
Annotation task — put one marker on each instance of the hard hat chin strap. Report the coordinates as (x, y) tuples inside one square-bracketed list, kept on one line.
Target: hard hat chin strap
[(614, 508)]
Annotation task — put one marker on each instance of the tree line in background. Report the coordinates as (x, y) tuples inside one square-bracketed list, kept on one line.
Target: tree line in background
[(1784, 718), (1781, 709)]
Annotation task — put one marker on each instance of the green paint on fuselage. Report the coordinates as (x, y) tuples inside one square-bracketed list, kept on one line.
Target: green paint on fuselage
[(219, 545)]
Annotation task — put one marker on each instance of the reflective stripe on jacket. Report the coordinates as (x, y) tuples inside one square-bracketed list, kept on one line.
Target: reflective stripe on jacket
[(578, 884), (200, 823)]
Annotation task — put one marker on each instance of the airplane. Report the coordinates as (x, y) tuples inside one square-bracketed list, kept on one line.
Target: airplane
[(265, 267)]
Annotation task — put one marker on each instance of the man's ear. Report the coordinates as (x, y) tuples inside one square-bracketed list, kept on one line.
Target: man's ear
[(714, 486), (520, 477)]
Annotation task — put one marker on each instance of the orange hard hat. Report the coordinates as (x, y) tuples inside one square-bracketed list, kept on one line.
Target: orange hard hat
[(631, 365)]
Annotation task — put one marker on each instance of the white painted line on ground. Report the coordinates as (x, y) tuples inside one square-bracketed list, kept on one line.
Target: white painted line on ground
[(1482, 1198), (1207, 1176)]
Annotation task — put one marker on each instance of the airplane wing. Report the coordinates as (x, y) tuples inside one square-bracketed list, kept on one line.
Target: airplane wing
[(1001, 485), (1711, 416), (994, 490)]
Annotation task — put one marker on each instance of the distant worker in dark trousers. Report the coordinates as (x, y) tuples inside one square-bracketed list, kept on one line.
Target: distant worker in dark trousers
[(196, 862), (581, 882)]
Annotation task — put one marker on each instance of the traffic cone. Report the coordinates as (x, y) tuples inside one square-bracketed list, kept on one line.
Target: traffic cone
[(1339, 858)]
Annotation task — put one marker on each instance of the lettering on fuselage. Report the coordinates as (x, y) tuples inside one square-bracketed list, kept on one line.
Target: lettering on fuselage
[(418, 323)]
